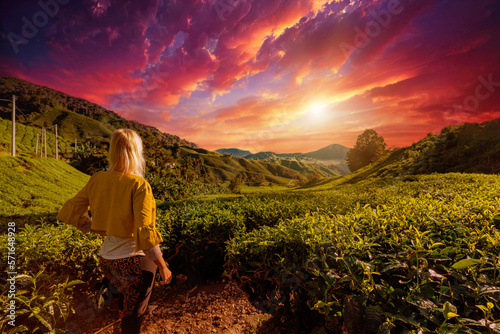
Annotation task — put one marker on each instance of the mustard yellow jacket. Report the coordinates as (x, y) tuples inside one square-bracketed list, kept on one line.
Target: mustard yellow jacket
[(121, 205)]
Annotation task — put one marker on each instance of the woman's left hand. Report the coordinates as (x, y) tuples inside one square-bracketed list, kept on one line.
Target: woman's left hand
[(85, 228)]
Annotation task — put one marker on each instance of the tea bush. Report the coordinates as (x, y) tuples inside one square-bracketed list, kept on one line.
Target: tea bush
[(425, 260), (54, 248), (414, 254), (50, 261)]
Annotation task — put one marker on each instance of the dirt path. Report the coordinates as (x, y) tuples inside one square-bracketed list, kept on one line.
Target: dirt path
[(214, 307)]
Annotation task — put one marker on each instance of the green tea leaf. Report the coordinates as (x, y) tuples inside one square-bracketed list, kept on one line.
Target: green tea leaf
[(465, 263), (482, 308), (449, 311)]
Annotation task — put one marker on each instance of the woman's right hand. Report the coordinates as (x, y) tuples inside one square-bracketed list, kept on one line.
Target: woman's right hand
[(165, 273)]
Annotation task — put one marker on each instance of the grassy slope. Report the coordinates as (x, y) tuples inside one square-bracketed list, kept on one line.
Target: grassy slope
[(72, 124), (33, 186), (302, 166), (26, 140), (43, 106), (325, 162)]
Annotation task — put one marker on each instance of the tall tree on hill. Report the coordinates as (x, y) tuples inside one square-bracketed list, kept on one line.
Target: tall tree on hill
[(369, 148)]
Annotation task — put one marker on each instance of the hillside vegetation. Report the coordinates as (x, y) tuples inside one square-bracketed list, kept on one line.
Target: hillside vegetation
[(43, 106), (334, 152), (385, 254), (226, 168), (327, 161), (36, 186), (469, 148), (26, 141)]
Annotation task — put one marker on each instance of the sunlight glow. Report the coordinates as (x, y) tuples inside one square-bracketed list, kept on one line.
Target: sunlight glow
[(316, 110)]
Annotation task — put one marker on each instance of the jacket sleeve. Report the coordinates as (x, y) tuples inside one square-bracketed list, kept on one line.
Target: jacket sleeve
[(75, 211), (144, 207)]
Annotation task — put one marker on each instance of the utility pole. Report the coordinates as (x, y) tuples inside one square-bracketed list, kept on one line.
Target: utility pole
[(36, 151), (13, 125), (46, 143), (57, 150), (45, 133), (41, 142)]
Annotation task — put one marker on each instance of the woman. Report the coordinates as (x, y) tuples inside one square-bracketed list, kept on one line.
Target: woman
[(124, 210)]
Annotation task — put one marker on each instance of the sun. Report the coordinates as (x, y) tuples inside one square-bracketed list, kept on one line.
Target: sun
[(316, 110)]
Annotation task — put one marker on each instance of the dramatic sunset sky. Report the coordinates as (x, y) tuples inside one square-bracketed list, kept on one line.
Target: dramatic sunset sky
[(280, 75)]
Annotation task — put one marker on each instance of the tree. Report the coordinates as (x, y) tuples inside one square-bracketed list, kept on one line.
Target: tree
[(369, 148), (234, 184), (176, 148)]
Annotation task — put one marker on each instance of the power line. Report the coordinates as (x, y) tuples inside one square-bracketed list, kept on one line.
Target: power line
[(19, 109)]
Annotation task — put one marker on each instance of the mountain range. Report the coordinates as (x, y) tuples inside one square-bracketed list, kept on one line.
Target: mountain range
[(235, 152), (333, 152)]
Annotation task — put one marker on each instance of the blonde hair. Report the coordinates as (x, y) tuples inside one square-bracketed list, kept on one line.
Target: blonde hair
[(125, 153)]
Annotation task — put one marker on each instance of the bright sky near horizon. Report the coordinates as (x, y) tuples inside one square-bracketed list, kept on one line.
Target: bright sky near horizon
[(261, 75)]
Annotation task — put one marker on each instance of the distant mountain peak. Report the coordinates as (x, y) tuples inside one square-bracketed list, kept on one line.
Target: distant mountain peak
[(235, 152), (330, 152)]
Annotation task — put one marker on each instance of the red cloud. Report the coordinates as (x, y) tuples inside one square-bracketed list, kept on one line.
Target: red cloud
[(146, 60)]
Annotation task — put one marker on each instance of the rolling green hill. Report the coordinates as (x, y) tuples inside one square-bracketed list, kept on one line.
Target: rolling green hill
[(262, 155), (26, 141), (466, 148), (42, 106), (320, 169), (36, 186), (223, 167)]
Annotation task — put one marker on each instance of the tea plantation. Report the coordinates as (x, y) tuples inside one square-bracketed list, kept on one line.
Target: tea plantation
[(410, 254)]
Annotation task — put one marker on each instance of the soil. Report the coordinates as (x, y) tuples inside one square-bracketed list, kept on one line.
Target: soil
[(210, 307)]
